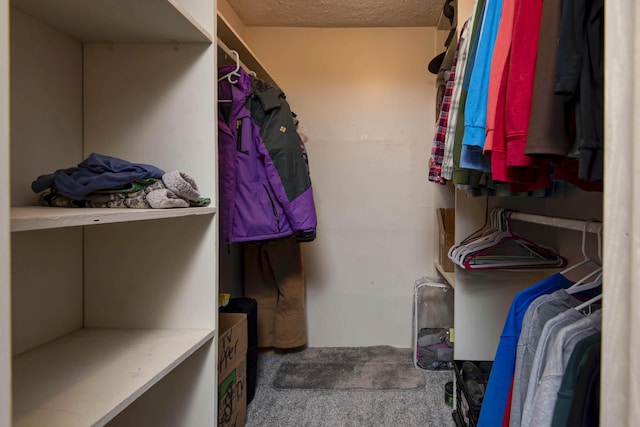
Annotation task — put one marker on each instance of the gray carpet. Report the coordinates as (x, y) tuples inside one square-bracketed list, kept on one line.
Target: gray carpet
[(349, 368), (423, 407)]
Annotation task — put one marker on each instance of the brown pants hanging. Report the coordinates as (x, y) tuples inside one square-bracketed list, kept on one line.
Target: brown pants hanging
[(273, 276)]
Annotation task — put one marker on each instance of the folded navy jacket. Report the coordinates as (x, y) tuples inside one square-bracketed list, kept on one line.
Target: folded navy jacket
[(96, 172)]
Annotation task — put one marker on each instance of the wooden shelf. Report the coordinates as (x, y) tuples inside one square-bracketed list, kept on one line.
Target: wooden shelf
[(88, 377), (231, 40), (43, 217), (449, 276), (118, 21)]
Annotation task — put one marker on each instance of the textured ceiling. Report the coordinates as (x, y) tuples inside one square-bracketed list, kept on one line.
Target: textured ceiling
[(337, 13)]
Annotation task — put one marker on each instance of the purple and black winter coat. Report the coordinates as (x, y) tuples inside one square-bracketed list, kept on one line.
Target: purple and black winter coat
[(265, 189)]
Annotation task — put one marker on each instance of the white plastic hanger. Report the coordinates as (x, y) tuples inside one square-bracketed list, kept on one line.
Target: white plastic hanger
[(488, 232), (534, 256), (481, 230), (233, 74), (481, 252), (490, 237)]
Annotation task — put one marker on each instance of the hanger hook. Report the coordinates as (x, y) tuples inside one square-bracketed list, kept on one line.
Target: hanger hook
[(497, 219), (237, 58)]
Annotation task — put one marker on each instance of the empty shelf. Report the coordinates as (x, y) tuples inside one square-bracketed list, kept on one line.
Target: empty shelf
[(88, 377)]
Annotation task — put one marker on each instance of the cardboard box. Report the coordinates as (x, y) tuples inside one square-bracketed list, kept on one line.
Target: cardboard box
[(446, 228), (232, 367)]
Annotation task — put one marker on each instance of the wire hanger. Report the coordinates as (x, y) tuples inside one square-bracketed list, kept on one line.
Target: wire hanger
[(587, 259), (579, 287), (582, 284)]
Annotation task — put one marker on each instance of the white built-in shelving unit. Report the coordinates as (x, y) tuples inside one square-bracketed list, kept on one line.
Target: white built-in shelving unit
[(113, 312)]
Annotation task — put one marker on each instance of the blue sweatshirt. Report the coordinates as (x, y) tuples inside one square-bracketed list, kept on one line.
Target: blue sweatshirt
[(476, 106)]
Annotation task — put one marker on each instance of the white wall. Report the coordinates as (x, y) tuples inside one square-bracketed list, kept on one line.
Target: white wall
[(367, 100)]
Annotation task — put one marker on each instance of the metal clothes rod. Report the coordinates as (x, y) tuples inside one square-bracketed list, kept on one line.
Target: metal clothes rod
[(570, 224)]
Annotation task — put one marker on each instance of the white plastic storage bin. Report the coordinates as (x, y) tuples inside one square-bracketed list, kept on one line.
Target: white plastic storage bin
[(433, 324)]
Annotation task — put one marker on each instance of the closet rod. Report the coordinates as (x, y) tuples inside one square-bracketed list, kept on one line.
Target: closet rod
[(570, 224)]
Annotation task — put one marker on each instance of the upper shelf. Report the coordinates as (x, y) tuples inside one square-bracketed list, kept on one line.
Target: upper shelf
[(119, 21), (233, 41), (42, 217)]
